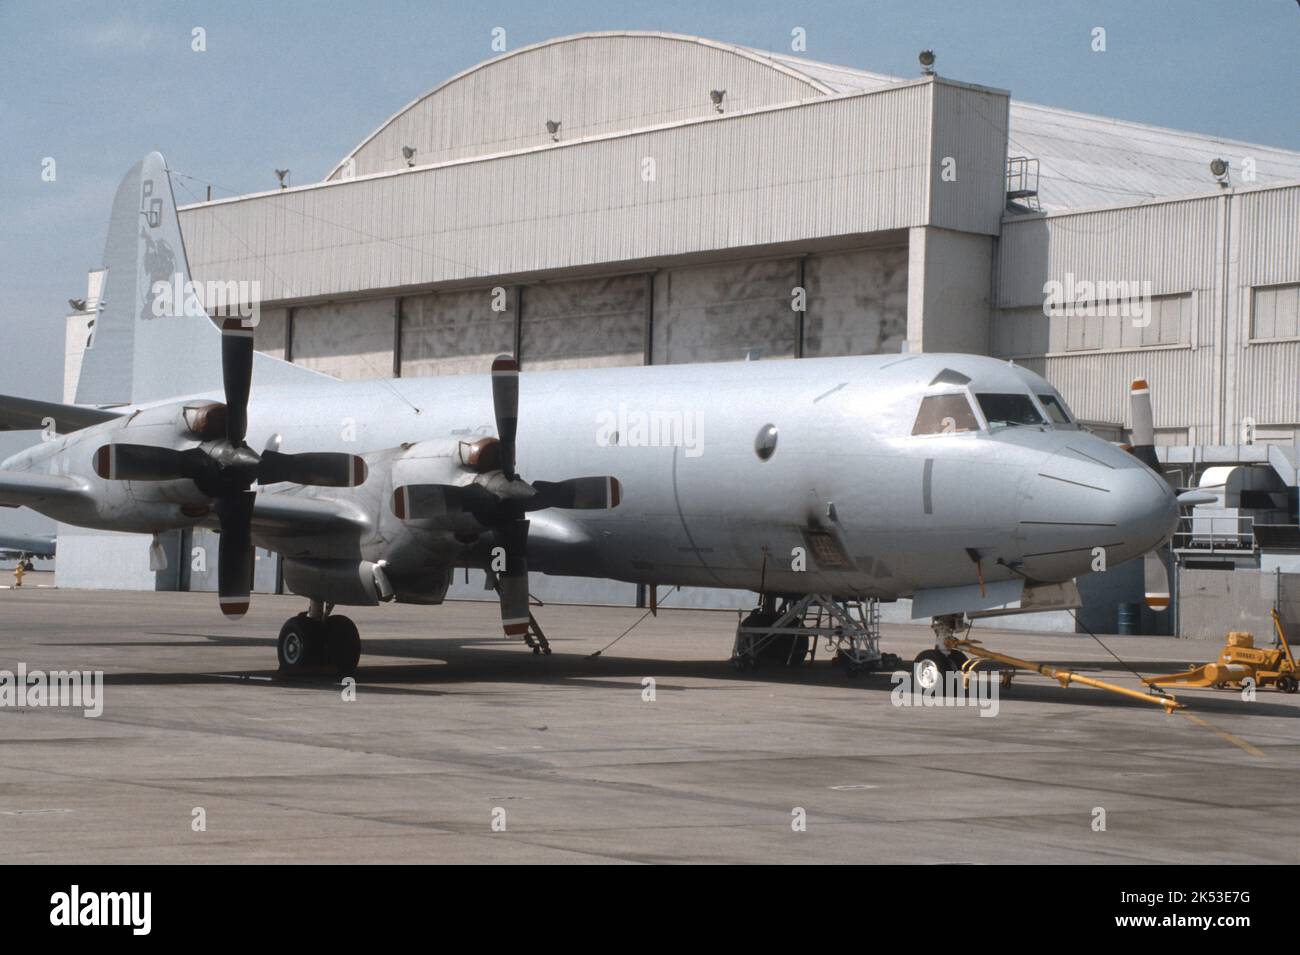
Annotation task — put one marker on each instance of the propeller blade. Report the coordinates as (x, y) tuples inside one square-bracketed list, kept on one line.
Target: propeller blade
[(505, 406), (1155, 573), (584, 493), (512, 583), (236, 375), (145, 462), (418, 502), (1144, 435), (315, 468), (235, 552)]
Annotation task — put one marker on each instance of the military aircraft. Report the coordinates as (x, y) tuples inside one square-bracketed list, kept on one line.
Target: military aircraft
[(26, 547), (960, 481)]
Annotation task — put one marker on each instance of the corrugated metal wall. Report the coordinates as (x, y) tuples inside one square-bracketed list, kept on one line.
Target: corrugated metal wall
[(1267, 243), (1214, 250), (970, 129), (1170, 244), (845, 166), (588, 84)]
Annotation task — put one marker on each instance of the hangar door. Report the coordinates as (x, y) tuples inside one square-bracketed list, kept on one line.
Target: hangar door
[(590, 323), (857, 302), (345, 339), (456, 333), (726, 312)]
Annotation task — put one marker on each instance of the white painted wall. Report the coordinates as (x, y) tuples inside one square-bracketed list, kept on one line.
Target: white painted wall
[(949, 290), (102, 560)]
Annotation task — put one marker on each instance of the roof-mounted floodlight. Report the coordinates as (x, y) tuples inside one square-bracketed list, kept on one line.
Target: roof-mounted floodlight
[(1219, 168), (408, 153), (717, 96), (553, 127), (283, 176), (926, 59)]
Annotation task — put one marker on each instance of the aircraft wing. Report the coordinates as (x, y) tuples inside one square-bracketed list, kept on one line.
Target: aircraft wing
[(27, 489), (292, 515), (27, 414)]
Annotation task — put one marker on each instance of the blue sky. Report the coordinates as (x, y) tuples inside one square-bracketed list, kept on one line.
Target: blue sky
[(297, 85)]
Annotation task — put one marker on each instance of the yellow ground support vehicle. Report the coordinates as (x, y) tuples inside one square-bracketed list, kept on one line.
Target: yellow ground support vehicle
[(1241, 660)]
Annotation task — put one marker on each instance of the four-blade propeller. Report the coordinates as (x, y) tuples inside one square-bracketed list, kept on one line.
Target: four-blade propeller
[(226, 469), (498, 498)]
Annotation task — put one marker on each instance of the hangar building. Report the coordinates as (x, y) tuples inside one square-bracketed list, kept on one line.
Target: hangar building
[(643, 198)]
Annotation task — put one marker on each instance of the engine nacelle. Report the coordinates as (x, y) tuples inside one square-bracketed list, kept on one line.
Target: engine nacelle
[(357, 583)]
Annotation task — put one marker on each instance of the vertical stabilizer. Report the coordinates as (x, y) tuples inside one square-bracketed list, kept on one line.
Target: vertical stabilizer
[(152, 338)]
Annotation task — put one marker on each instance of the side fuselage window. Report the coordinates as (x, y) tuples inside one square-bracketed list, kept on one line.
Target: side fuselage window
[(1002, 410), (945, 414)]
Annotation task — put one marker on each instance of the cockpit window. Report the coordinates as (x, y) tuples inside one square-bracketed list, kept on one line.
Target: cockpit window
[(945, 414), (1054, 409), (1004, 410)]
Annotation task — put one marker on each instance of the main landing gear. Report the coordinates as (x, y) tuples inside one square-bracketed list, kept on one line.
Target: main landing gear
[(318, 638), (787, 634)]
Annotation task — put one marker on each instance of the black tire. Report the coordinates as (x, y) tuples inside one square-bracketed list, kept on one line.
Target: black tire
[(781, 650), (957, 659), (296, 644), (342, 644), (929, 669), (784, 650), (1287, 683), (748, 659)]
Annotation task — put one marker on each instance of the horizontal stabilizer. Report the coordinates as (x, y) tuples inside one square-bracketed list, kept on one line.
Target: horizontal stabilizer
[(27, 414)]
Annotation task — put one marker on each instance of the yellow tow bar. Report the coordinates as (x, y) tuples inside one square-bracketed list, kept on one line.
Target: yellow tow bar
[(1059, 674)]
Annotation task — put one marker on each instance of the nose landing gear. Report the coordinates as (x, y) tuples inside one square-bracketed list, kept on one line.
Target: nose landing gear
[(317, 638), (930, 667)]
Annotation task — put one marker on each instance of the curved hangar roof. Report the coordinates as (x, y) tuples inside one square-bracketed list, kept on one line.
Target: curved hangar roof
[(590, 83), (600, 83)]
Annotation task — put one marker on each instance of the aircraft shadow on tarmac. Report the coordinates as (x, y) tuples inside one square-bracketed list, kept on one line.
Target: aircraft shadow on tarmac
[(468, 660)]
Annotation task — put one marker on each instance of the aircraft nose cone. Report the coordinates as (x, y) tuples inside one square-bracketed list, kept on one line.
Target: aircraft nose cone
[(1143, 507), (1093, 496)]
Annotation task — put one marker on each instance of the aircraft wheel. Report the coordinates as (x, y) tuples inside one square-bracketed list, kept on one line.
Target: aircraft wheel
[(780, 650), (929, 668), (297, 639), (784, 650), (957, 659), (342, 644)]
